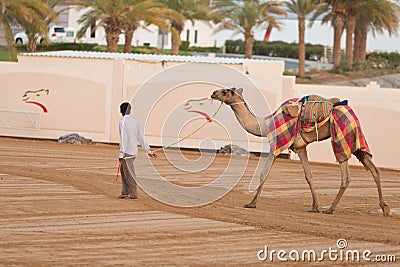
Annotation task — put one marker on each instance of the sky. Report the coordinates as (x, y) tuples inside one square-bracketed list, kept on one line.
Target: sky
[(318, 34)]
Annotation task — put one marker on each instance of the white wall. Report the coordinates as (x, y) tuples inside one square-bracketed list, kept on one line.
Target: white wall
[(79, 98), (85, 94), (204, 31)]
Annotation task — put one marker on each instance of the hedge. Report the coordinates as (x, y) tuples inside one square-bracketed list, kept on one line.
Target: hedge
[(60, 47), (275, 48), (384, 60)]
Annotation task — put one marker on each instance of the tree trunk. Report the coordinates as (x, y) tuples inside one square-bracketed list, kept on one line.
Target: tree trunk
[(302, 46), (337, 35), (350, 26), (32, 45), (177, 27), (364, 35), (248, 45), (112, 38), (129, 30), (357, 45), (175, 42), (360, 43)]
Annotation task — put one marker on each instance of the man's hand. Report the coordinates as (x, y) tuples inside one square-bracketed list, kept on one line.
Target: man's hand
[(152, 154), (121, 160)]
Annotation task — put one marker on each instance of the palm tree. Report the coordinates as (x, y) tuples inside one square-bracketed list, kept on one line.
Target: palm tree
[(21, 12), (338, 26), (302, 8), (189, 10), (335, 13), (46, 15), (377, 16), (243, 16), (142, 13), (359, 16), (108, 14), (353, 9)]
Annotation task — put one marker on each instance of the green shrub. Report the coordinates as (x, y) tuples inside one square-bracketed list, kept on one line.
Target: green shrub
[(60, 47), (275, 48), (235, 47), (4, 56), (184, 45), (211, 49), (145, 50), (384, 60)]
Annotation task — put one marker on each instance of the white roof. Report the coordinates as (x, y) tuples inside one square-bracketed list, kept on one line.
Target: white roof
[(142, 57)]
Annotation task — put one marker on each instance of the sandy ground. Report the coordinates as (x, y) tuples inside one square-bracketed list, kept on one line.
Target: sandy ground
[(59, 207)]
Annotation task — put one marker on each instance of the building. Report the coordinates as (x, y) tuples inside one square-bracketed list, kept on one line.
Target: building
[(198, 34)]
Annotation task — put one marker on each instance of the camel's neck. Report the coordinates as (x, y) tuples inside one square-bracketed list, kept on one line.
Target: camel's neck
[(251, 123)]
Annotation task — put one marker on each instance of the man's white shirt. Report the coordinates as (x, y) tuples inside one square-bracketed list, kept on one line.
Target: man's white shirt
[(130, 135)]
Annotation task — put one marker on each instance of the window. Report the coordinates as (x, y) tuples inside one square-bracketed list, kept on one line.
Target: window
[(162, 39), (92, 30), (59, 29), (187, 35), (195, 36)]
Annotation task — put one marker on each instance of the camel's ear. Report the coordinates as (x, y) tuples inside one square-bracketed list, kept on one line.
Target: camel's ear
[(292, 109), (240, 91)]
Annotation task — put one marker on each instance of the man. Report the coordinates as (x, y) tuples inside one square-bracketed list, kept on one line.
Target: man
[(130, 135)]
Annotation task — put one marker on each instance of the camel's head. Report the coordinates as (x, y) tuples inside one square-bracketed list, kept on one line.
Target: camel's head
[(228, 96)]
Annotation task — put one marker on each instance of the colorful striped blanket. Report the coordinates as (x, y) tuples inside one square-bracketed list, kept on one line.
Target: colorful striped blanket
[(346, 134), (281, 128)]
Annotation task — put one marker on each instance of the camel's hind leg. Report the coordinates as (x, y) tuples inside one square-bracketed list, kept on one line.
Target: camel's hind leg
[(263, 178), (365, 159), (344, 168), (307, 172)]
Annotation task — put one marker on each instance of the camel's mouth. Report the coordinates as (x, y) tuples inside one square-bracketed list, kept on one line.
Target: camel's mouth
[(215, 96)]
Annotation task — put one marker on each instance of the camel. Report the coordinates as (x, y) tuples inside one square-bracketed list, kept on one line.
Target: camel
[(258, 126)]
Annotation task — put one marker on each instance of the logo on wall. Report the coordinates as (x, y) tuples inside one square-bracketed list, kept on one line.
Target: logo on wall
[(36, 97)]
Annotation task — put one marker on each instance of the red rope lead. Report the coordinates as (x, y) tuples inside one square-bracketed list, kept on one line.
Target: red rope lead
[(116, 176)]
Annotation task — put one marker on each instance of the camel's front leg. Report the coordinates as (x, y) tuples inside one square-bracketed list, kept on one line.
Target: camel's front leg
[(344, 168), (307, 172), (263, 178)]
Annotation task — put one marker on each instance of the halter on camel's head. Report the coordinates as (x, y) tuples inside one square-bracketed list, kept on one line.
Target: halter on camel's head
[(229, 96), (234, 96)]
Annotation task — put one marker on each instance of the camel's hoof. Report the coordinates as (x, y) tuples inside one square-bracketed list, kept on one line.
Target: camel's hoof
[(328, 211), (250, 206), (316, 210), (386, 210)]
